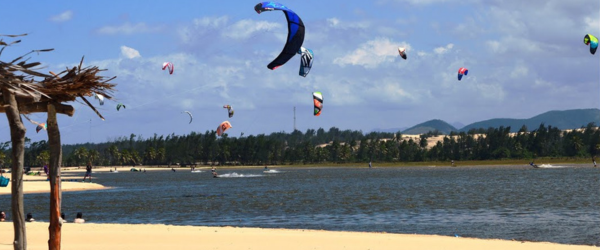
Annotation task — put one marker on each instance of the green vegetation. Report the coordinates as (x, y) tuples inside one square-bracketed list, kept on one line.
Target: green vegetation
[(494, 146)]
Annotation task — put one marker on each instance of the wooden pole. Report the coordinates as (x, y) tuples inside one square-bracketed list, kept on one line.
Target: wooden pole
[(17, 137), (55, 182)]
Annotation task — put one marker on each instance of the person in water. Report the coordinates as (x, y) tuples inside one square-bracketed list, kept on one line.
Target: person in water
[(370, 166), (88, 171), (594, 161), (266, 168), (214, 172)]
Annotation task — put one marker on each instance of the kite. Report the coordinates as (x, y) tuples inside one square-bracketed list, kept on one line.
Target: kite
[(229, 110), (592, 41), (120, 105), (318, 102), (191, 117), (461, 72), (402, 52), (169, 66), (223, 127), (306, 61), (100, 98), (39, 126), (295, 36)]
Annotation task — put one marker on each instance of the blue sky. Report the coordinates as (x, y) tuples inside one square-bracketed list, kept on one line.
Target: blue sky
[(524, 58)]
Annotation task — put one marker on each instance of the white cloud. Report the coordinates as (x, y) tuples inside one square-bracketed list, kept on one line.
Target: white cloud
[(129, 29), (372, 53), (62, 17), (519, 71), (443, 50), (333, 21), (129, 53), (244, 29)]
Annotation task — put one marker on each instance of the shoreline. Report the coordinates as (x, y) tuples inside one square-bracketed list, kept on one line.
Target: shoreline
[(486, 163), (158, 236)]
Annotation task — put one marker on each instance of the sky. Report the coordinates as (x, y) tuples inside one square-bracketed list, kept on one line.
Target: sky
[(524, 58)]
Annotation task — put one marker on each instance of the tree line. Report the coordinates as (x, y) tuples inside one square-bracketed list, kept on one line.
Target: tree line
[(320, 146)]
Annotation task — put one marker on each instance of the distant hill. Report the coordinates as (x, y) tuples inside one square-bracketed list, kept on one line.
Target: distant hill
[(432, 125), (567, 119)]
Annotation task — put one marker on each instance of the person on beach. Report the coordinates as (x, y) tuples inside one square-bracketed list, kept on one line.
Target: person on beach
[(452, 162), (2, 216), (88, 171), (594, 161), (46, 170), (79, 218), (62, 218), (29, 218)]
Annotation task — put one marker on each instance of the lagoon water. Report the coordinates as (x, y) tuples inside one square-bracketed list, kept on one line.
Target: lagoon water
[(554, 203)]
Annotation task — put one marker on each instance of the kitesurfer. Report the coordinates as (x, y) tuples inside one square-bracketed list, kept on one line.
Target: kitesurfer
[(88, 171), (214, 172)]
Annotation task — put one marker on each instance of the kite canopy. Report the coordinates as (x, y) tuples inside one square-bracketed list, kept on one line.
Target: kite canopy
[(306, 61), (224, 126), (461, 72), (190, 114), (120, 105), (402, 52), (169, 66), (295, 36), (229, 110), (592, 41), (40, 127), (318, 102), (100, 98)]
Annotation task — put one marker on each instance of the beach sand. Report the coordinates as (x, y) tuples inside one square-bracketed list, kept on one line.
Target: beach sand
[(38, 184), (158, 237)]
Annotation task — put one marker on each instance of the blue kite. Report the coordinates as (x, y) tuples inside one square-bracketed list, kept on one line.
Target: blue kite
[(295, 36)]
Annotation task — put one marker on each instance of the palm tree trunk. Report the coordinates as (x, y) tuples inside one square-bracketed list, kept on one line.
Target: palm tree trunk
[(17, 137), (55, 182)]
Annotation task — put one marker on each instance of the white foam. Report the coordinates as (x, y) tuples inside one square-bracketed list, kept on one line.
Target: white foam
[(236, 175), (550, 166), (272, 171)]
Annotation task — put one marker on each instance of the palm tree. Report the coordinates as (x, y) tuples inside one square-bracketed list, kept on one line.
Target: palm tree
[(93, 156), (81, 154)]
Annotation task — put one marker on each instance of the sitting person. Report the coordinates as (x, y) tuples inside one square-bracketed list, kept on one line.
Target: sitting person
[(62, 218), (2, 216), (29, 218), (79, 218)]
